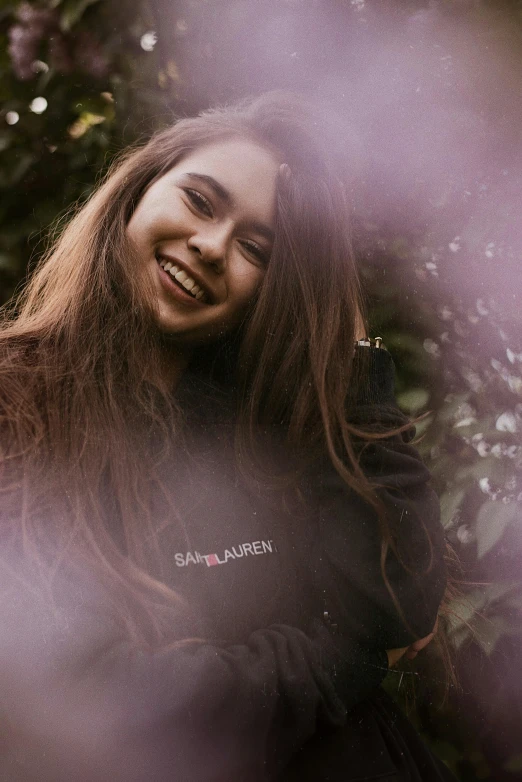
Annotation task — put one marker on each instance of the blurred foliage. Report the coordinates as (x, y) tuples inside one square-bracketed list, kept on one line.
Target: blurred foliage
[(437, 229)]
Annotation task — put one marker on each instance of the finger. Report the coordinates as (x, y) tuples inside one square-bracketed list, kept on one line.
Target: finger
[(394, 655), (418, 646)]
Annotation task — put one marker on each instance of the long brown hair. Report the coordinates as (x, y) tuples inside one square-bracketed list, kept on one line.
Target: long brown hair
[(82, 406)]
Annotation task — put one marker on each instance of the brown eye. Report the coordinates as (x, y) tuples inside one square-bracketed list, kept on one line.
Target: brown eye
[(198, 200), (256, 251)]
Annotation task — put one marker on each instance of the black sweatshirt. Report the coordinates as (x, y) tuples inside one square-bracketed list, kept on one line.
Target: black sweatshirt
[(292, 605)]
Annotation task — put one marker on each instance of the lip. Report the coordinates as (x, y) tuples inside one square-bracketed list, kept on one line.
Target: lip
[(173, 287)]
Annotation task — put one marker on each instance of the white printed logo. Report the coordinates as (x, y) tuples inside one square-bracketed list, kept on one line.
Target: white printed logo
[(255, 549)]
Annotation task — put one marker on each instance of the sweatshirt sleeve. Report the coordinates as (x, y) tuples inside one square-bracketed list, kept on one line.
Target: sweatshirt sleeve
[(357, 599), (241, 712), (85, 703)]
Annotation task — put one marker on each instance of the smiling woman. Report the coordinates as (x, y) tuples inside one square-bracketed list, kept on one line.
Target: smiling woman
[(211, 510), (204, 232)]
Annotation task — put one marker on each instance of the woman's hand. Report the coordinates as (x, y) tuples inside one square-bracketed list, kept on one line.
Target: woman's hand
[(394, 655)]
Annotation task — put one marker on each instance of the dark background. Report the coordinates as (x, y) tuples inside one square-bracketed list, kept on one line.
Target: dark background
[(428, 99)]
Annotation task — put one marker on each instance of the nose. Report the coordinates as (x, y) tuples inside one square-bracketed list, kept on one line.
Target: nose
[(211, 243)]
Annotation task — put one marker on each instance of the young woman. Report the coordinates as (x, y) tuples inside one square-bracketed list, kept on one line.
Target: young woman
[(215, 533)]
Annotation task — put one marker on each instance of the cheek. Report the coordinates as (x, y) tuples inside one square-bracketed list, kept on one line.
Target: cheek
[(150, 219), (137, 229), (247, 285)]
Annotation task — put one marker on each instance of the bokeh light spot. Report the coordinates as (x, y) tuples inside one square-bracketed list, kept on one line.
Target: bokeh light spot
[(38, 66), (148, 40), (38, 105)]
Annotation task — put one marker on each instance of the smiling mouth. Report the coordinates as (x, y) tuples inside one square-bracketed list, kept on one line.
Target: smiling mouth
[(183, 280)]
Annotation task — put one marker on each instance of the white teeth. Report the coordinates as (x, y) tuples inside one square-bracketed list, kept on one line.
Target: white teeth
[(187, 282)]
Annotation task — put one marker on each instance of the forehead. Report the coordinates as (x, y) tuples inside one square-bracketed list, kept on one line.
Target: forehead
[(243, 167), (232, 155)]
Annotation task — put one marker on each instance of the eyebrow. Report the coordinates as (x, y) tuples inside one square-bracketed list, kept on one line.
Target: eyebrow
[(223, 194)]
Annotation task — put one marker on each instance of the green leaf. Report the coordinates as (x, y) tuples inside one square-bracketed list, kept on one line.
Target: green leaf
[(72, 12), (489, 631), (501, 590), (413, 400), (448, 412), (485, 467), (492, 520), (460, 636), (450, 754), (21, 167), (449, 504), (7, 262), (420, 429), (406, 343), (515, 602), (462, 610), (514, 764)]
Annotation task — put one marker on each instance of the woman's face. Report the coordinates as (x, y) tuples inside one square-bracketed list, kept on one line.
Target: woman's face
[(204, 231)]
